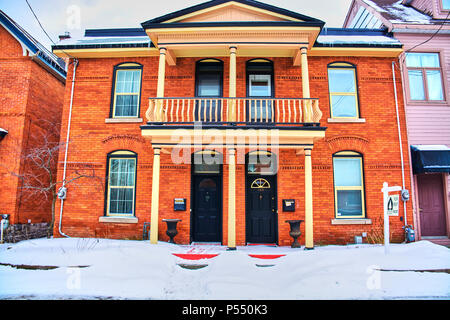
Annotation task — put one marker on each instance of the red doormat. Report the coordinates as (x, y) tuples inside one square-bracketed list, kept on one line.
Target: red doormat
[(194, 256), (266, 256)]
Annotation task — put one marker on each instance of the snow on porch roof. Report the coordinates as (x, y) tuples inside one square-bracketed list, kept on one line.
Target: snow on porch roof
[(356, 37)]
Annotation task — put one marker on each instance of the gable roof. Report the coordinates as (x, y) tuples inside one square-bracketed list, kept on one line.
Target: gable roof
[(295, 17), (392, 12), (46, 58)]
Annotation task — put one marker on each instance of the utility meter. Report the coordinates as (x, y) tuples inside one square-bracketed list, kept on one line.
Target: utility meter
[(405, 195), (62, 193)]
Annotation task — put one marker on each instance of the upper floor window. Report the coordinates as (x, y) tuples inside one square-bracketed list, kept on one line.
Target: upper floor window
[(126, 90), (348, 184), (121, 187), (446, 4), (343, 90), (425, 76)]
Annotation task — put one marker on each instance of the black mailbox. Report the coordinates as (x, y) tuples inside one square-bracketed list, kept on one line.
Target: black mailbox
[(179, 204), (288, 205)]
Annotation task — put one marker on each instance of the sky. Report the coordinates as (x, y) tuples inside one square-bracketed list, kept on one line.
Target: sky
[(74, 16)]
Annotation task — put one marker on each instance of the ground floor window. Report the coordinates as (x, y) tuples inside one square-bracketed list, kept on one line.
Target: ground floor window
[(121, 183), (348, 185)]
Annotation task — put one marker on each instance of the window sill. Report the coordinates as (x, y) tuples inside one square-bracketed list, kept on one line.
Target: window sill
[(332, 120), (350, 221), (118, 220), (124, 120)]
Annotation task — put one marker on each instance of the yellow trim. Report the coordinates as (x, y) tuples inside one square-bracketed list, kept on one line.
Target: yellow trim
[(350, 94), (121, 153), (260, 183), (107, 53), (131, 64), (230, 29), (355, 52), (127, 93), (196, 13), (350, 188), (120, 187)]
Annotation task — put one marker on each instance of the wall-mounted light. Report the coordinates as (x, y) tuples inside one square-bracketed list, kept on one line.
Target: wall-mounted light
[(3, 133)]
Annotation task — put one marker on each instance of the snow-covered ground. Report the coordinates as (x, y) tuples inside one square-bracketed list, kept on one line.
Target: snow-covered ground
[(119, 269)]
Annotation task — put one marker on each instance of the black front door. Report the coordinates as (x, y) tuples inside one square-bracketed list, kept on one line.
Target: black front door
[(207, 213), (261, 209)]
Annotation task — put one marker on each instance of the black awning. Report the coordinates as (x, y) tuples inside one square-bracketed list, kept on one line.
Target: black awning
[(430, 158)]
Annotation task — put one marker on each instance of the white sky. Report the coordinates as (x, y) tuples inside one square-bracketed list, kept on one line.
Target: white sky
[(58, 16)]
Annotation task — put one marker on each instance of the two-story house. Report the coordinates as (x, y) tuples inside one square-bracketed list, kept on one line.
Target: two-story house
[(424, 30), (32, 84), (234, 117)]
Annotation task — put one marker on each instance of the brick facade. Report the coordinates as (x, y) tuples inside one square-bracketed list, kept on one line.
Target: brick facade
[(29, 97), (92, 139)]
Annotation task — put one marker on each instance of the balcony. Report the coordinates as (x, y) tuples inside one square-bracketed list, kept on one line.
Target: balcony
[(232, 112)]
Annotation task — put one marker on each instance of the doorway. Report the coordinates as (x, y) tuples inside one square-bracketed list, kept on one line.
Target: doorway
[(261, 198), (431, 205), (206, 216)]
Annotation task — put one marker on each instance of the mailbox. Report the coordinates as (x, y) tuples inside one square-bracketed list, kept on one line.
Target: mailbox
[(288, 205), (179, 204)]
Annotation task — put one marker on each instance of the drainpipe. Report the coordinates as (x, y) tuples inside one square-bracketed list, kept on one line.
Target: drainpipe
[(62, 191), (399, 139)]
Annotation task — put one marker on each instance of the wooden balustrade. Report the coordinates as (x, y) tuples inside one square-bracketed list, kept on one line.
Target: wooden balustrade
[(234, 110)]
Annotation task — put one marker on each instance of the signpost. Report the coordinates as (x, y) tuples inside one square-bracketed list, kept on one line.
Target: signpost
[(390, 208)]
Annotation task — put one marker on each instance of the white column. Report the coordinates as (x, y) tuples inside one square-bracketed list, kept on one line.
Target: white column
[(155, 197), (309, 231), (232, 199)]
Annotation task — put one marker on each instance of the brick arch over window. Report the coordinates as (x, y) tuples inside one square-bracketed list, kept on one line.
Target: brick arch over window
[(355, 143), (130, 142)]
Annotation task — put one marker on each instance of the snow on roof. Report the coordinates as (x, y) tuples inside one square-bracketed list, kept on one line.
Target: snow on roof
[(344, 39), (431, 147), (103, 40), (396, 12)]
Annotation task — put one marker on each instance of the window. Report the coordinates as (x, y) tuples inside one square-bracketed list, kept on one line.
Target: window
[(262, 163), (348, 185), (126, 90), (446, 4), (209, 84), (425, 77), (207, 161), (343, 90), (260, 85), (121, 183)]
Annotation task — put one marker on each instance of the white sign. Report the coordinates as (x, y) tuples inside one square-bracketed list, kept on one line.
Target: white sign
[(387, 204), (392, 205)]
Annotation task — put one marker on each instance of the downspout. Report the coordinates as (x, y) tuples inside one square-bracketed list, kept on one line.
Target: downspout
[(75, 64), (399, 139)]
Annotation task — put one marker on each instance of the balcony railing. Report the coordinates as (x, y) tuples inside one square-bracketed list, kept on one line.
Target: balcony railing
[(234, 110)]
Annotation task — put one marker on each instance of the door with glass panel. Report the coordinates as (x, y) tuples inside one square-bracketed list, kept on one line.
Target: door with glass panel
[(261, 198), (259, 91), (209, 87)]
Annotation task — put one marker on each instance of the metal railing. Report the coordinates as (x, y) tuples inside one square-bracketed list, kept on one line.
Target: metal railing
[(234, 110)]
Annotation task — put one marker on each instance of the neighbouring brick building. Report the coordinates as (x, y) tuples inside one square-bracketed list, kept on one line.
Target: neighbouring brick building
[(233, 116), (32, 84), (423, 28)]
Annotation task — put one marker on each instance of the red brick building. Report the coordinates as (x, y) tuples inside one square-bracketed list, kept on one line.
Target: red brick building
[(233, 116), (32, 83)]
